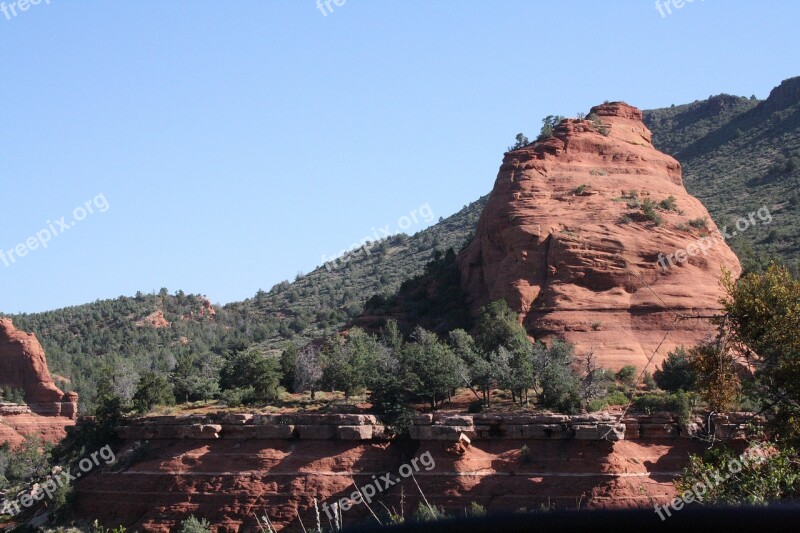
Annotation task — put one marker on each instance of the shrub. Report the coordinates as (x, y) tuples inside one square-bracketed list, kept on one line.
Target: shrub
[(561, 388), (476, 510), (249, 369), (668, 204), (579, 189), (649, 212), (7, 394), (525, 455), (477, 406), (549, 124), (617, 398), (627, 375), (427, 513), (153, 389), (677, 403), (598, 124), (598, 404), (522, 141), (649, 382), (761, 480), (676, 372), (195, 525), (699, 223), (236, 397)]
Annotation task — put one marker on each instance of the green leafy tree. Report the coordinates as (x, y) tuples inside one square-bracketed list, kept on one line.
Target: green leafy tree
[(498, 325), (627, 375), (391, 390), (288, 366), (153, 389), (676, 372), (195, 378), (549, 124), (522, 142), (249, 368), (559, 381), (433, 365), (763, 314), (348, 363), (760, 475)]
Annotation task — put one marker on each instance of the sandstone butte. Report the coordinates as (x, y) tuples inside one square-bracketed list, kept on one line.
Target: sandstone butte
[(23, 366), (559, 242)]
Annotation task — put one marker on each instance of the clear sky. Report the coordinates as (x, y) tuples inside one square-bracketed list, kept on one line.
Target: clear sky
[(225, 146)]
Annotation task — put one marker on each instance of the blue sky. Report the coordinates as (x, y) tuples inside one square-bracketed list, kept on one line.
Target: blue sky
[(234, 143)]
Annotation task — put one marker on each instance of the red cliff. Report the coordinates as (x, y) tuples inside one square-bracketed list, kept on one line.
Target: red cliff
[(565, 241), (23, 366)]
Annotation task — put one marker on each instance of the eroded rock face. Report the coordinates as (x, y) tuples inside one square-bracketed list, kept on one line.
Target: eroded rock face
[(23, 366), (564, 243)]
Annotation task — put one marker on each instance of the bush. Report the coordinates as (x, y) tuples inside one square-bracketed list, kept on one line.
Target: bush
[(195, 525), (676, 372), (699, 223), (627, 375), (522, 142), (153, 389), (478, 406), (561, 388), (237, 397), (525, 455), (549, 124), (761, 480), (617, 398), (668, 204), (249, 369), (649, 212), (598, 404), (425, 513), (7, 394), (677, 403), (476, 510)]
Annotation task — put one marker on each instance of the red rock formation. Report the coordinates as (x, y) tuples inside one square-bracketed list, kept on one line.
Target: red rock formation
[(226, 468), (16, 422), (23, 366), (559, 242), (155, 319)]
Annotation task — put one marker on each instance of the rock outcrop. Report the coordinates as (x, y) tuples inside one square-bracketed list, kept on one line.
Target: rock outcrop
[(23, 366), (229, 467), (565, 241)]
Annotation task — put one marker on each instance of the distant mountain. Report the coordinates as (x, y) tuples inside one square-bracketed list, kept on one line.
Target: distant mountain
[(738, 155)]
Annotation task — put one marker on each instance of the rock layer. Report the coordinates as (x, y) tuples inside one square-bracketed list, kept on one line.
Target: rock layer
[(23, 366), (564, 242), (229, 467)]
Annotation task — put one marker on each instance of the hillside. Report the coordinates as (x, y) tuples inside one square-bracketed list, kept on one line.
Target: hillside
[(126, 335), (737, 154)]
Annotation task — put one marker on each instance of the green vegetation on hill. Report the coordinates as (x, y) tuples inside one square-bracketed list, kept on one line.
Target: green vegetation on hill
[(738, 155)]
